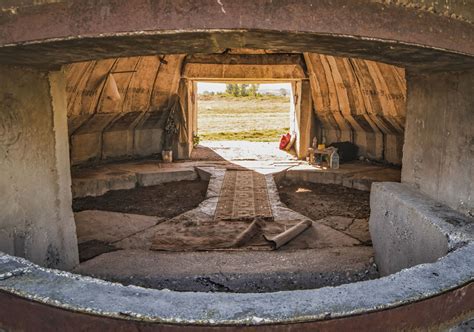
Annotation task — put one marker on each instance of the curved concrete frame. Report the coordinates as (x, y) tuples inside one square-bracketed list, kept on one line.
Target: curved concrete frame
[(70, 31), (387, 33), (380, 300)]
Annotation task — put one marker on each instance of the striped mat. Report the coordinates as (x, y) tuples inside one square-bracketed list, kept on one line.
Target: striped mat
[(243, 196)]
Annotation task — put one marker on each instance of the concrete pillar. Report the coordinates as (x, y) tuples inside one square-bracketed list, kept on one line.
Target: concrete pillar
[(183, 150), (36, 220), (438, 154), (191, 112), (294, 100), (304, 119), (194, 110)]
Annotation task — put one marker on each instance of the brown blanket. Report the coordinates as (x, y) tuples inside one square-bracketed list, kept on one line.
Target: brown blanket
[(187, 234)]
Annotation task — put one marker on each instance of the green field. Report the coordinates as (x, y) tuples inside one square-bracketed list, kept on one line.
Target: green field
[(261, 119)]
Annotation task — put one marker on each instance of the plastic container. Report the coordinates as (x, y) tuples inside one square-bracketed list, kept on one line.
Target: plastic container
[(310, 156), (334, 161), (167, 156)]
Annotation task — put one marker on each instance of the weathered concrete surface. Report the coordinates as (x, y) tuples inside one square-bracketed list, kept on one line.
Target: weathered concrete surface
[(109, 227), (357, 175), (86, 141), (252, 67), (98, 232), (360, 101), (460, 10), (152, 178), (408, 228), (240, 272), (354, 100), (138, 27), (127, 119), (148, 134), (411, 291), (96, 181), (92, 182), (36, 219), (438, 156), (118, 138)]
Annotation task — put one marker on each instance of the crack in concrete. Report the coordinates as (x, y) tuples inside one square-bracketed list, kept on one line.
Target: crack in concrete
[(14, 273), (206, 281)]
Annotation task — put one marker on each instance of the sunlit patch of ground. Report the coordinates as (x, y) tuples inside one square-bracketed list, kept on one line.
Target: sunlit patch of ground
[(244, 150)]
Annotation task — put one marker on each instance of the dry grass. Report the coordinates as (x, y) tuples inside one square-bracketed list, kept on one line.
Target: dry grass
[(268, 135), (261, 119)]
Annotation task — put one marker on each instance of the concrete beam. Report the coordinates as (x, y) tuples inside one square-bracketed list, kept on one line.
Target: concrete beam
[(64, 29), (244, 67), (246, 59), (35, 197)]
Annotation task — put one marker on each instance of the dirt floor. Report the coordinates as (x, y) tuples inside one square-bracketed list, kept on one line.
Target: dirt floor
[(165, 200), (317, 201), (344, 209)]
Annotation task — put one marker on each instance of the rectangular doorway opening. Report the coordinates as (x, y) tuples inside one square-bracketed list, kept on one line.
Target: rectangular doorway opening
[(244, 121)]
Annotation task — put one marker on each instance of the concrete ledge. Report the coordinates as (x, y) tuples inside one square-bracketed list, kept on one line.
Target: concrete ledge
[(100, 184), (145, 179), (351, 175), (96, 182), (408, 228)]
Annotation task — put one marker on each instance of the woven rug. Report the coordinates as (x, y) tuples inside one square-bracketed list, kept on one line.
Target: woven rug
[(243, 196)]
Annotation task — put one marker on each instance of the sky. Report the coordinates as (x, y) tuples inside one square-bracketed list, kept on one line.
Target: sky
[(220, 87)]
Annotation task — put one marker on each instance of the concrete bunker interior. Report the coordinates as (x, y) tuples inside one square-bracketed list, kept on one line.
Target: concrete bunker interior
[(117, 113), (444, 217)]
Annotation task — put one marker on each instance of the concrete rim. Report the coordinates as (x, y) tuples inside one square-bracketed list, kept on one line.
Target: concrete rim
[(98, 297)]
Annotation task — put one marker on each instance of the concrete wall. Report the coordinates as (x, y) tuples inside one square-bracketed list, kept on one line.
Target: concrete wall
[(116, 107), (36, 220), (409, 228), (109, 101), (360, 101), (438, 156)]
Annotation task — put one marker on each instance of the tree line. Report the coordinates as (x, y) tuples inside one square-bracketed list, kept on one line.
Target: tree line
[(242, 90)]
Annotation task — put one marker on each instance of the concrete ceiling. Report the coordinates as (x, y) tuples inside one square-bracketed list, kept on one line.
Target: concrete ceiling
[(52, 34)]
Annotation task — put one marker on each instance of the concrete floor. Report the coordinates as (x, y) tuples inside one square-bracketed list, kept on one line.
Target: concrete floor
[(333, 257), (242, 272)]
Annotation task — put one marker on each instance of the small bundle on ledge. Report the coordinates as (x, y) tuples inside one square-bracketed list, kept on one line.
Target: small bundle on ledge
[(347, 151), (175, 128)]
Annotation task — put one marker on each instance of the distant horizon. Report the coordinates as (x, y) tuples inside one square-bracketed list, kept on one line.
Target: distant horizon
[(220, 87)]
